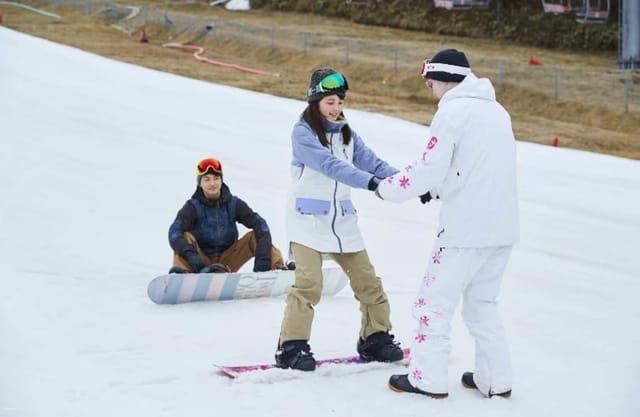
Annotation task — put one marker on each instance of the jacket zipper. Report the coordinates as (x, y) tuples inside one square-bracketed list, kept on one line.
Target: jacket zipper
[(335, 203)]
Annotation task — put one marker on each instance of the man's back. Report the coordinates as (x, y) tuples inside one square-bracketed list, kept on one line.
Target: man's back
[(479, 195)]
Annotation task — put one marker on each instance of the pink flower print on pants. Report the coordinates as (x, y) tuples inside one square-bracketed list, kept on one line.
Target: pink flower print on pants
[(420, 303), (424, 320), (436, 256), (420, 337), (417, 375), (429, 279)]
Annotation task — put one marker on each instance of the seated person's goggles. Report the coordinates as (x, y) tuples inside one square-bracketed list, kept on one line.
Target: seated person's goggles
[(209, 166)]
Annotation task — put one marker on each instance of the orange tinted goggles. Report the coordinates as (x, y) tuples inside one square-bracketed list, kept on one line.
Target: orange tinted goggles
[(209, 166)]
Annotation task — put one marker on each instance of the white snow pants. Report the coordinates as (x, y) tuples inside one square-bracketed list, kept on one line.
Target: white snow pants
[(476, 274)]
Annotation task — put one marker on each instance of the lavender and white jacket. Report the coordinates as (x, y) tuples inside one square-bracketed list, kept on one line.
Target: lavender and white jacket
[(320, 213)]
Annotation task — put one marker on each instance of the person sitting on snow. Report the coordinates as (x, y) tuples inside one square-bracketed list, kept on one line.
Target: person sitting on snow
[(204, 235)]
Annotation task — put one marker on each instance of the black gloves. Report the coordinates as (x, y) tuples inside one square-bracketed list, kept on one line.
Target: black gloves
[(426, 197), (193, 259), (262, 264), (373, 183)]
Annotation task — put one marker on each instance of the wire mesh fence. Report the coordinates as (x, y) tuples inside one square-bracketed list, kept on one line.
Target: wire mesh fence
[(615, 90)]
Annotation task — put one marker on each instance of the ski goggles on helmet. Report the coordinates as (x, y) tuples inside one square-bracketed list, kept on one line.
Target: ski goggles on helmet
[(428, 66), (209, 166), (331, 82)]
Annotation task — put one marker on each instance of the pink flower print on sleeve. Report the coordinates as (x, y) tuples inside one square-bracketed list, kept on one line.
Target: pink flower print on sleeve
[(430, 145), (425, 320), (404, 182), (421, 337), (408, 168), (417, 375), (420, 302)]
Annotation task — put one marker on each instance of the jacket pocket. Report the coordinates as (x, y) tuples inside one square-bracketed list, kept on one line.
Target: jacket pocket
[(347, 207), (312, 206)]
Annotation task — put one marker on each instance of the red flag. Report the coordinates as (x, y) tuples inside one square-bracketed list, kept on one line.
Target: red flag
[(534, 62)]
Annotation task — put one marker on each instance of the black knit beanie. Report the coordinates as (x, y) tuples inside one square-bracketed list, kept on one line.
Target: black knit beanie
[(448, 65), (318, 75)]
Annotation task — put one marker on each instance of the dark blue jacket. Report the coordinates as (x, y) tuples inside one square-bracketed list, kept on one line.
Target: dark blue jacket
[(213, 223)]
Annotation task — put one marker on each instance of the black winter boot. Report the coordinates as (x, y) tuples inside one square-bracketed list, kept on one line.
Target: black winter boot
[(380, 347), (468, 382), (400, 383), (295, 354)]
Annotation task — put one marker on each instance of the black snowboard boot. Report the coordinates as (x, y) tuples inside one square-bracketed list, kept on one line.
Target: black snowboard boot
[(295, 354), (287, 266), (380, 347), (291, 265), (468, 382), (400, 383)]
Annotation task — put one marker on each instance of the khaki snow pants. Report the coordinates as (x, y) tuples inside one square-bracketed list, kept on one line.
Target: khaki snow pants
[(306, 292), (237, 255)]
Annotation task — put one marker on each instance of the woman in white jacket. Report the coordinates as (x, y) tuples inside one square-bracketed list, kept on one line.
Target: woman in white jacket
[(469, 162), (328, 160)]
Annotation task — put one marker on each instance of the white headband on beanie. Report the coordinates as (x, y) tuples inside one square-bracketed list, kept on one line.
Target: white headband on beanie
[(448, 65), (451, 69)]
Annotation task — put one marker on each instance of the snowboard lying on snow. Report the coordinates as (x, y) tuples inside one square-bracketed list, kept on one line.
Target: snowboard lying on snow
[(235, 371), (186, 288)]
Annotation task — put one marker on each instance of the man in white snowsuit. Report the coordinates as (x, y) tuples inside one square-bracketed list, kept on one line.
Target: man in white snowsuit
[(469, 163)]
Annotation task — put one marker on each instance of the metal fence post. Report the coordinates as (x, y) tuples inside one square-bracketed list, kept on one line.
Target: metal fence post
[(347, 45), (304, 43), (395, 60), (499, 75), (273, 40), (556, 82), (210, 29), (627, 88)]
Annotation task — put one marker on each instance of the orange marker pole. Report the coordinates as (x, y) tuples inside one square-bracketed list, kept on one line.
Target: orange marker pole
[(143, 35)]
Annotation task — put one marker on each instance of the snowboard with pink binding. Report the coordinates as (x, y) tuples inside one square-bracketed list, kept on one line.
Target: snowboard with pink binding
[(235, 371)]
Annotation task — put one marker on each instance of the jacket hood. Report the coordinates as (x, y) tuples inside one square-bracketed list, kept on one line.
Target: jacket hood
[(470, 87)]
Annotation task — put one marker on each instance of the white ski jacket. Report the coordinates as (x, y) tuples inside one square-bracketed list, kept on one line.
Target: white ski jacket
[(320, 213), (469, 161)]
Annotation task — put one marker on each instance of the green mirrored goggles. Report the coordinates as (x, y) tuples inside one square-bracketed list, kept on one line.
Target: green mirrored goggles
[(331, 82)]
